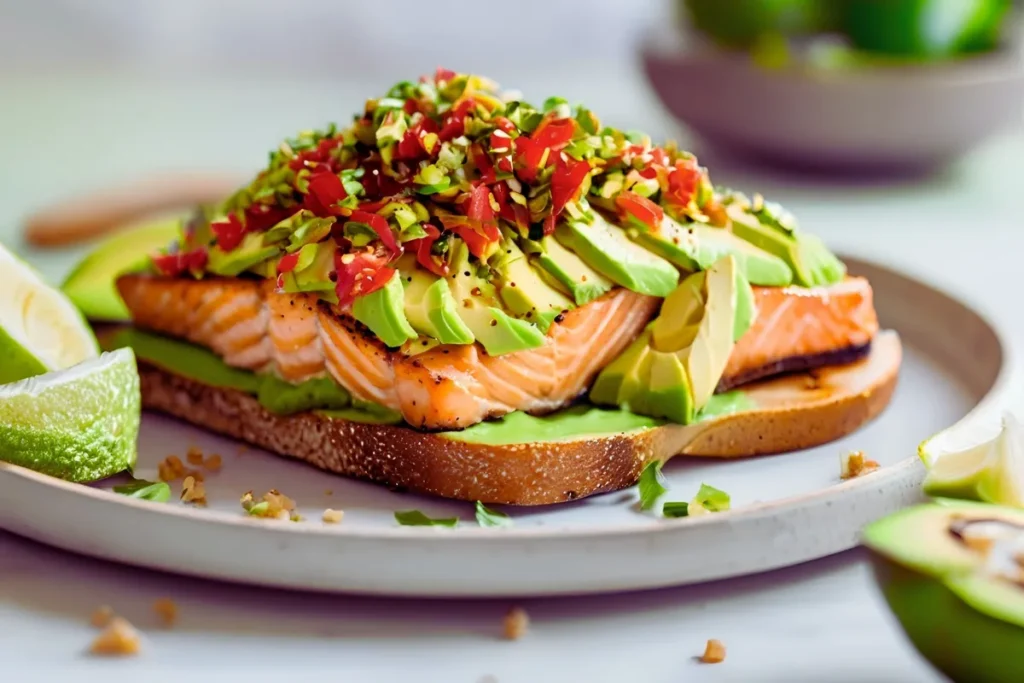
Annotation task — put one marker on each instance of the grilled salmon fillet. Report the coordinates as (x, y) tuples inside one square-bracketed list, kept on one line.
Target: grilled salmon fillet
[(251, 326)]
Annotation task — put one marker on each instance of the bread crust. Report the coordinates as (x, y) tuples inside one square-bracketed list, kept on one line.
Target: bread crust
[(793, 412)]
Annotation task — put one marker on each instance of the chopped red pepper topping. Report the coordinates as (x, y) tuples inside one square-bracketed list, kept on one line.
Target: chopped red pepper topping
[(325, 191), (175, 264), (633, 207), (683, 181), (555, 134), (516, 214), (229, 232), (483, 164), (566, 183), (358, 275), (288, 262), (379, 224), (424, 252)]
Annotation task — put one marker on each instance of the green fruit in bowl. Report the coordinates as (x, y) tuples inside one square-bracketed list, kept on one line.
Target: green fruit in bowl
[(924, 28), (740, 23), (952, 572)]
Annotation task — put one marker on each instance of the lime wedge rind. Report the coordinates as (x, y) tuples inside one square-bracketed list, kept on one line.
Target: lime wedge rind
[(80, 424), (980, 459)]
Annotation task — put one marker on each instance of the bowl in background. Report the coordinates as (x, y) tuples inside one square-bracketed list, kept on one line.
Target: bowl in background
[(896, 116)]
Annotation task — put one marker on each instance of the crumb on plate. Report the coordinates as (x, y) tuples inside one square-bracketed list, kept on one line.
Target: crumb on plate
[(171, 468), (213, 463), (714, 652), (194, 455), (333, 516), (193, 491), (101, 616), (119, 638), (167, 610), (517, 623), (854, 464), (272, 505)]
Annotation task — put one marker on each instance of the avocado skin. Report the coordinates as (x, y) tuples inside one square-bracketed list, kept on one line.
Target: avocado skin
[(383, 311), (962, 643)]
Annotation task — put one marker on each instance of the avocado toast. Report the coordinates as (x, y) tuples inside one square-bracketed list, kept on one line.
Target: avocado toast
[(466, 295)]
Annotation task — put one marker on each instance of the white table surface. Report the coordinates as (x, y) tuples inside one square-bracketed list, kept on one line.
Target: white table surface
[(824, 621)]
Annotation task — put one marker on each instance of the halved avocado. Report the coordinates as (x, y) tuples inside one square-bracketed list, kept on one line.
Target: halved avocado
[(953, 574)]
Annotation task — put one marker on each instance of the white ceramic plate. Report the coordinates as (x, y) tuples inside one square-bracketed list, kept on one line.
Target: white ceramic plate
[(787, 508)]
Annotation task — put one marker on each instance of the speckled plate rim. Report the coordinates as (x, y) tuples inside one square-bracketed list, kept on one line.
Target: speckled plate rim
[(43, 508)]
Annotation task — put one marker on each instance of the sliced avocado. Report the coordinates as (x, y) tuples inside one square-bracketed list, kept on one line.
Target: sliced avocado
[(669, 389), (246, 255), (585, 283), (608, 383), (90, 285), (646, 381), (523, 290), (607, 249), (706, 357), (284, 398), (697, 246), (746, 307), (430, 306), (480, 309), (681, 313), (383, 311), (951, 573), (812, 263), (313, 274)]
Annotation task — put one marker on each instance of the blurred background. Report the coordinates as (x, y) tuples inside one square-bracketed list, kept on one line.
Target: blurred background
[(813, 100)]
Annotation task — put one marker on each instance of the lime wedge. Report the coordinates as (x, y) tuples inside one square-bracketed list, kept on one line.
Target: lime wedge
[(90, 285), (79, 424), (40, 329), (977, 459)]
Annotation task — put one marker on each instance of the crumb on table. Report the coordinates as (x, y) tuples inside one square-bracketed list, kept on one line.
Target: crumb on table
[(213, 463), (517, 623), (118, 638), (714, 652), (101, 616), (854, 464), (167, 610), (333, 516)]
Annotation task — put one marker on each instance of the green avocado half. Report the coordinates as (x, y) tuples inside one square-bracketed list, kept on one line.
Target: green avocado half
[(953, 574)]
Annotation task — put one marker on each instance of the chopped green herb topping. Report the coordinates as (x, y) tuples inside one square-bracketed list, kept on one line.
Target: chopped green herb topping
[(159, 491), (491, 518), (652, 485), (417, 518)]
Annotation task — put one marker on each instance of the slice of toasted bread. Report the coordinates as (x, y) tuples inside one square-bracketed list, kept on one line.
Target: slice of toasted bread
[(793, 412)]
